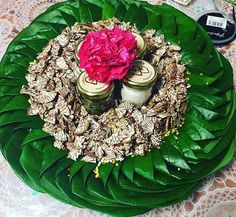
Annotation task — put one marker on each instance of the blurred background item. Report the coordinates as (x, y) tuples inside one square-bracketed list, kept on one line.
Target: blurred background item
[(183, 2), (228, 7)]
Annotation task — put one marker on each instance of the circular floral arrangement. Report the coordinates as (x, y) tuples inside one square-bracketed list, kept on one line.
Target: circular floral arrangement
[(204, 144), (123, 130)]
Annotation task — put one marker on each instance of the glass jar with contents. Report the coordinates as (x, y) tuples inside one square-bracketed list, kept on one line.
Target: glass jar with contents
[(141, 45), (138, 83), (96, 97), (78, 46)]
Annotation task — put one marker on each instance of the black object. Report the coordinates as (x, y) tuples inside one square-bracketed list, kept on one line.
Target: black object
[(219, 36)]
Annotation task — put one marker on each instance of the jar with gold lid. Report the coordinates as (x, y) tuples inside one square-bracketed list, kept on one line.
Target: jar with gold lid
[(138, 83), (141, 45), (77, 48), (95, 96)]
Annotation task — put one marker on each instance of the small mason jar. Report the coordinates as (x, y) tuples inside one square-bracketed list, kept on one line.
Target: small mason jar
[(138, 83), (78, 46), (141, 45), (95, 96)]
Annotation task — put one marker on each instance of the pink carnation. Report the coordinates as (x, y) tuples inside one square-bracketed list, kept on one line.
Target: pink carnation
[(107, 55)]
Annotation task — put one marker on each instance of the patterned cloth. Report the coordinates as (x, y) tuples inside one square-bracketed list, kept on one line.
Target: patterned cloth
[(215, 198)]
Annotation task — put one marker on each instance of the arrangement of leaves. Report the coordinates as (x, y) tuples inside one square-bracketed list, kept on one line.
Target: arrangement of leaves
[(205, 143)]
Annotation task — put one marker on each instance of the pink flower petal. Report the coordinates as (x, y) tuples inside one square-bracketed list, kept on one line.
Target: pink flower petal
[(107, 55)]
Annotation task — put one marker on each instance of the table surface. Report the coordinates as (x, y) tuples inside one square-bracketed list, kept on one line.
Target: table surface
[(215, 198)]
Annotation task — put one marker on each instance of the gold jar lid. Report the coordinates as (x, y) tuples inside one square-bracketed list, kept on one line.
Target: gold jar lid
[(92, 88), (78, 46), (141, 76), (141, 44)]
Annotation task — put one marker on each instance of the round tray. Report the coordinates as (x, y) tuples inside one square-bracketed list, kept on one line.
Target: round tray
[(162, 177)]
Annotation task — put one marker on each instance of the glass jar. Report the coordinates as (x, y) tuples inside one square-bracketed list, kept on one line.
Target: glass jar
[(95, 96), (141, 45), (138, 83), (78, 46)]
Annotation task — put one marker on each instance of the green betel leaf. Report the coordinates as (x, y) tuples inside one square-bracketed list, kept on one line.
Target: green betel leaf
[(9, 91), (31, 159), (11, 82), (76, 167), (197, 132), (108, 10), (159, 162), (50, 156), (35, 134), (172, 155), (19, 102), (17, 116), (98, 190), (144, 166), (84, 12), (105, 172), (116, 170), (185, 147), (128, 168), (86, 171), (204, 144)]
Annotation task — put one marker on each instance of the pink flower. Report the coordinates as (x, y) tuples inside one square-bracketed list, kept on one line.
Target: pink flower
[(107, 55)]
